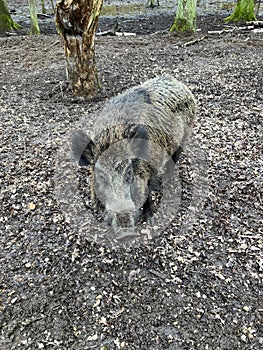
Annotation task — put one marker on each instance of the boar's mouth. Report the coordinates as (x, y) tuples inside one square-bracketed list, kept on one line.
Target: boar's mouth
[(125, 234), (122, 224)]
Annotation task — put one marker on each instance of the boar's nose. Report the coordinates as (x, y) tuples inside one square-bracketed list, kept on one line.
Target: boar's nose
[(124, 219)]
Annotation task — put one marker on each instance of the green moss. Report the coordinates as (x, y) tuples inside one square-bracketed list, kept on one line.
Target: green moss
[(6, 23), (244, 12), (185, 20), (182, 25)]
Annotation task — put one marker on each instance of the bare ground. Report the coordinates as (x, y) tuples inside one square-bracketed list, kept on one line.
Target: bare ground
[(200, 288)]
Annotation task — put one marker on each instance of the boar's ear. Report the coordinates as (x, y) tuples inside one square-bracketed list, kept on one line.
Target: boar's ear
[(176, 154), (83, 148), (88, 155)]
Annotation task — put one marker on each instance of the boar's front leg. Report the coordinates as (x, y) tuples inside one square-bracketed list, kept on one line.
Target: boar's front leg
[(154, 184), (148, 209)]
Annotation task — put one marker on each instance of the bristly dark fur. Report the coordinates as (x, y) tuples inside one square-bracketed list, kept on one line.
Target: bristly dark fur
[(158, 113)]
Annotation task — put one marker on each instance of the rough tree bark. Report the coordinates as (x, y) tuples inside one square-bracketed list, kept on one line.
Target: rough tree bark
[(76, 22), (6, 21), (185, 19), (243, 12)]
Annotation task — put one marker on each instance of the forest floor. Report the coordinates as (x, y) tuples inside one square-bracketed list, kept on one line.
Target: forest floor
[(197, 286)]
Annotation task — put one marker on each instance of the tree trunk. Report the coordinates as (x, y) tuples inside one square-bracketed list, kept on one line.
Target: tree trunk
[(6, 22), (76, 22), (34, 30), (43, 8), (244, 12), (185, 19), (150, 3)]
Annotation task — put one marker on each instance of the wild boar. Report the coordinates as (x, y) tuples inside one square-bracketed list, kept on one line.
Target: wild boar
[(133, 140)]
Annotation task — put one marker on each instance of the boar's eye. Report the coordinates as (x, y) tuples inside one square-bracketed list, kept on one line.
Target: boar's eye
[(128, 174)]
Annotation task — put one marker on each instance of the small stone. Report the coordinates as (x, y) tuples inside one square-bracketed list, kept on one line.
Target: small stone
[(243, 338), (246, 308), (97, 302), (14, 300), (103, 320), (93, 337), (31, 206)]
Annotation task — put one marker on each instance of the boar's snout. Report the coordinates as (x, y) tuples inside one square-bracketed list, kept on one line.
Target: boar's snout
[(120, 219), (122, 223), (124, 219)]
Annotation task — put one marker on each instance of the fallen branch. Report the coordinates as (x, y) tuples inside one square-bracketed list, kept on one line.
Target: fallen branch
[(249, 26), (219, 32), (110, 32), (256, 24), (189, 43), (246, 28), (114, 33), (125, 34), (258, 30)]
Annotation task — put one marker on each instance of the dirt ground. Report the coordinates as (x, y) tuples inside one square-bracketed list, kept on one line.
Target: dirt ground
[(193, 288)]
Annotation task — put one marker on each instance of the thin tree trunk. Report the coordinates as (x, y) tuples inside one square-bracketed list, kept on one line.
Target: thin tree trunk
[(6, 21), (44, 11), (76, 22), (33, 16), (243, 12), (185, 19)]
